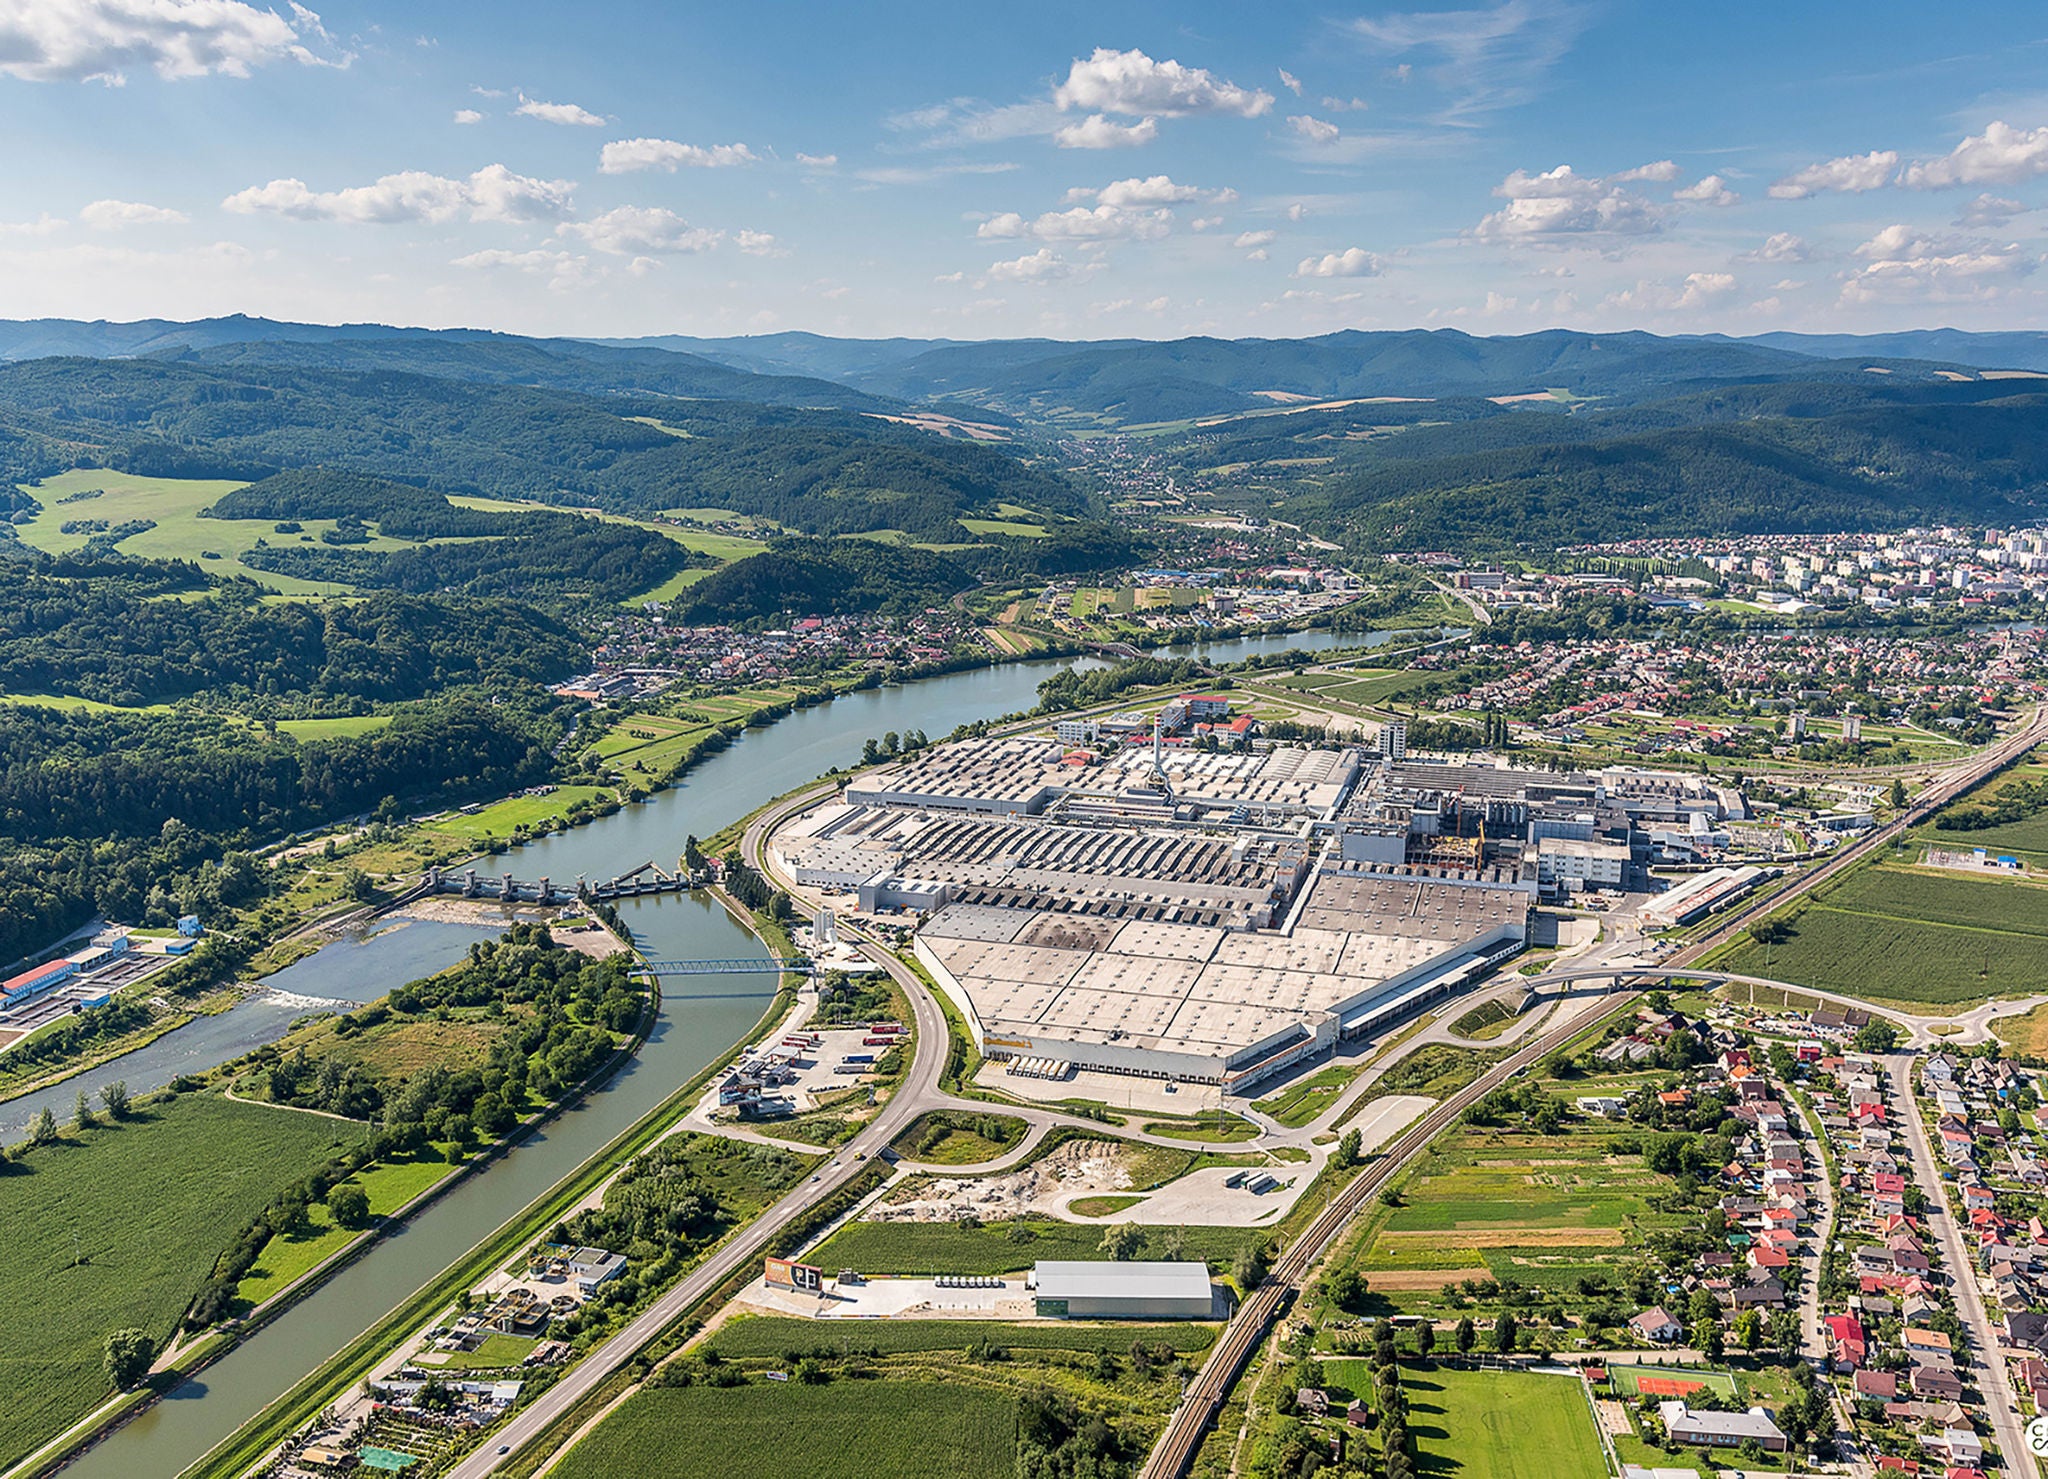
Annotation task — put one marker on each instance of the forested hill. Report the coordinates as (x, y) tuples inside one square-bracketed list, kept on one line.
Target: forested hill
[(461, 354), (558, 364), (1179, 379), (102, 635), (1745, 459), (823, 576), (819, 470)]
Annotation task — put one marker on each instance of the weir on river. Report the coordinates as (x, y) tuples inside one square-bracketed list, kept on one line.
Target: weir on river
[(691, 1030)]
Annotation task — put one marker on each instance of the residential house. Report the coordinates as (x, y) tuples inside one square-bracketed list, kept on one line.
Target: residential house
[(1656, 1324), (1721, 1429)]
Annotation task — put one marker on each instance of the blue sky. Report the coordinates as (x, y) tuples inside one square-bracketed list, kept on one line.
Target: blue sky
[(1075, 170)]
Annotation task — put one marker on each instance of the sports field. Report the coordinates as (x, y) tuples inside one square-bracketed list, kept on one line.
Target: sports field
[(785, 1430), (1896, 933), (119, 1228), (1669, 1381), (1493, 1424)]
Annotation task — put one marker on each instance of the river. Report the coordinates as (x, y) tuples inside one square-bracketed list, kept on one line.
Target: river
[(701, 1017)]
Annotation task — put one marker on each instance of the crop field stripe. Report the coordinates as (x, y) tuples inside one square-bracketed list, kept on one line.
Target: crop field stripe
[(151, 1204), (847, 1430)]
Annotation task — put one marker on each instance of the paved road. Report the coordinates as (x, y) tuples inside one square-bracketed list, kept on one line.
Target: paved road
[(1983, 1356), (919, 1087), (1973, 1026)]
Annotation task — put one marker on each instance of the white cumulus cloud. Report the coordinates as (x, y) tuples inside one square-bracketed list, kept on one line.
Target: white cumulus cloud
[(1043, 265), (1153, 190), (1992, 210), (623, 156), (564, 269), (1660, 172), (1081, 223), (1131, 83), (101, 40), (1780, 246), (1097, 131), (567, 114), (1315, 130), (468, 116), (115, 215), (1699, 290), (1351, 262), (493, 193), (1708, 190), (1291, 82), (2001, 155), (818, 161), (1561, 202), (641, 231), (1851, 174), (1904, 265), (1249, 239)]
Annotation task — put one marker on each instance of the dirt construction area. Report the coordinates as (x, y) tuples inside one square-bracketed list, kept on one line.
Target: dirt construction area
[(1076, 1169), (1081, 1169)]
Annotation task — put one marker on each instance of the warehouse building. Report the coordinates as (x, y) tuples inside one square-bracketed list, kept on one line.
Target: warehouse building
[(37, 981), (1108, 1290), (1195, 1002)]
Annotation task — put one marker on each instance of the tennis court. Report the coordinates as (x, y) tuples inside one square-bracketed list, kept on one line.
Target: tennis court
[(1669, 1381)]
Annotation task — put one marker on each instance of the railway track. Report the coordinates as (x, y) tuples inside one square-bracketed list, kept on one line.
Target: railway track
[(1204, 1398)]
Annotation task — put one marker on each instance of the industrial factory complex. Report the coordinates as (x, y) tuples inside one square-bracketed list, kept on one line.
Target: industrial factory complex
[(1213, 915)]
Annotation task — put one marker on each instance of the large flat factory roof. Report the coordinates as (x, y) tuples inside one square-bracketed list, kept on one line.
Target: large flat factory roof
[(1179, 1000), (1410, 902), (1083, 912), (1022, 776)]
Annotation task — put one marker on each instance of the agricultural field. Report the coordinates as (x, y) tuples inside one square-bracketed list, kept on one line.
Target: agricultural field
[(773, 1336), (180, 534), (1542, 1210), (2027, 837), (346, 727), (118, 1227), (1498, 1424), (1016, 528), (723, 547), (389, 1185), (502, 818), (925, 1248), (1909, 935), (787, 1430), (650, 746)]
